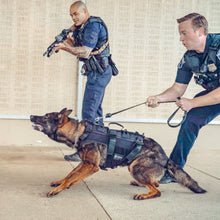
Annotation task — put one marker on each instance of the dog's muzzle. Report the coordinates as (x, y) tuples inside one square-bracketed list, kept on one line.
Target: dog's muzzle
[(36, 126)]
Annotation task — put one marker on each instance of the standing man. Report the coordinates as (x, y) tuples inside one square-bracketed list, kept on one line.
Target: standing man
[(202, 59), (89, 43)]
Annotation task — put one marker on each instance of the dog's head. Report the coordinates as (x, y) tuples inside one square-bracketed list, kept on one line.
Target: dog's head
[(50, 122)]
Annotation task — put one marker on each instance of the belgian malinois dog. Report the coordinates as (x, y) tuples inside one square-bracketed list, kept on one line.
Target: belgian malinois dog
[(147, 167)]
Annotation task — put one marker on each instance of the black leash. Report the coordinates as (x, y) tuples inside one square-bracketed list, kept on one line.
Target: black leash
[(174, 113), (109, 115), (171, 117)]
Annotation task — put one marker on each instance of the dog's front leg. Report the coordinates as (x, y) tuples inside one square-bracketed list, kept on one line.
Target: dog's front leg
[(82, 171), (57, 183)]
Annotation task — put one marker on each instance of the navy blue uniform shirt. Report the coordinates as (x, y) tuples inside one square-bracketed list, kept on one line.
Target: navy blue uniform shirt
[(92, 32), (184, 73)]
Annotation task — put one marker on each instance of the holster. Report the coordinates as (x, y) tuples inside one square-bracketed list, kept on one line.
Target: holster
[(112, 64), (92, 64), (96, 64), (87, 66)]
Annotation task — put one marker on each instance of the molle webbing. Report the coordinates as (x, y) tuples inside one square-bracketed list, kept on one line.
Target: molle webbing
[(122, 146), (214, 47), (207, 74), (101, 44), (99, 57), (94, 133)]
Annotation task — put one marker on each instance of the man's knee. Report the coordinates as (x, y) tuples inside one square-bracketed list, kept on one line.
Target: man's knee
[(194, 121)]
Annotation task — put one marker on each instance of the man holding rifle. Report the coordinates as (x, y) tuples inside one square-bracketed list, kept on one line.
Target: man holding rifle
[(90, 44)]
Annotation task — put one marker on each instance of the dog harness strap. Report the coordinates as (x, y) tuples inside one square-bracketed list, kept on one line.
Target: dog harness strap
[(139, 143), (88, 130), (122, 148), (111, 147), (112, 142)]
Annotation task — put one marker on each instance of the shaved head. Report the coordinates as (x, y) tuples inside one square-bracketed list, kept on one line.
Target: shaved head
[(79, 4), (79, 13)]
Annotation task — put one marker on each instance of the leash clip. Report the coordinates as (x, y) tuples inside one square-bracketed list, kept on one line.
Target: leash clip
[(98, 119)]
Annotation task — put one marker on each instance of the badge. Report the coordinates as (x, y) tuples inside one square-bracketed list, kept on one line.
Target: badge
[(212, 67), (218, 54), (180, 65)]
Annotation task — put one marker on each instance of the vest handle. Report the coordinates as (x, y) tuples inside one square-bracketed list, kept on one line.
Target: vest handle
[(115, 123)]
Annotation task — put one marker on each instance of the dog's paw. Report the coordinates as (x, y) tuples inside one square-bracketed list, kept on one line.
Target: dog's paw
[(51, 193), (146, 196), (55, 184), (138, 197), (134, 183), (156, 184)]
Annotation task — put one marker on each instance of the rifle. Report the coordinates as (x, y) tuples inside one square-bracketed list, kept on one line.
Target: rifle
[(58, 39)]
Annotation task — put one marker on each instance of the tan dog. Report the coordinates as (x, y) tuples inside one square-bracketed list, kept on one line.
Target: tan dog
[(147, 166)]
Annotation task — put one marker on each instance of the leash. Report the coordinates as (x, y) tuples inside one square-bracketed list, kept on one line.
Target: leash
[(174, 113), (109, 115), (171, 117)]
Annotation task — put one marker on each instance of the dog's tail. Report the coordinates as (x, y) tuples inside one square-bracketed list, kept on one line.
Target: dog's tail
[(183, 178)]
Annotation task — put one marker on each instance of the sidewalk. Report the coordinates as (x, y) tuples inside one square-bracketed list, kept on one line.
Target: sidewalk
[(26, 173)]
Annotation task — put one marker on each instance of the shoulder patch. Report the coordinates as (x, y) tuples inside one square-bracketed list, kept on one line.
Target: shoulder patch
[(180, 65), (218, 54)]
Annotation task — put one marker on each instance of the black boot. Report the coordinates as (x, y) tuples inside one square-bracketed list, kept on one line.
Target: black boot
[(167, 178), (73, 157)]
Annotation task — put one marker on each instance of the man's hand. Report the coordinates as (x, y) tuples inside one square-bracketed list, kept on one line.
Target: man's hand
[(65, 45), (152, 101), (185, 104)]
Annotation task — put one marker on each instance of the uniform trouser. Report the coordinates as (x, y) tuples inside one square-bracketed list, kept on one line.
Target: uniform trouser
[(195, 120), (94, 94)]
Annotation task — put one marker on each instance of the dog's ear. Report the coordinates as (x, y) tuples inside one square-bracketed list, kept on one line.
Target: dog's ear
[(63, 115), (63, 110), (66, 112)]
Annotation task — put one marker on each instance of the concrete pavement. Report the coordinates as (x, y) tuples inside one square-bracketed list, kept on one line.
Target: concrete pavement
[(26, 173)]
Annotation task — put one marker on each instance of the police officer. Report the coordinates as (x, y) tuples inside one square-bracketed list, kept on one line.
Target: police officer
[(89, 43), (201, 61)]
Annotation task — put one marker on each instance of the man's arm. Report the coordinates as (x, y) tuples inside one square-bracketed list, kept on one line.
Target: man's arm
[(171, 94), (211, 98), (67, 45)]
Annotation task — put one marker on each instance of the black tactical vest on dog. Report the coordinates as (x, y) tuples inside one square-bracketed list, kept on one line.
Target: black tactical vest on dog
[(122, 146)]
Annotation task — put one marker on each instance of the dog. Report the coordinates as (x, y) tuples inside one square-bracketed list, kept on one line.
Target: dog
[(146, 167)]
